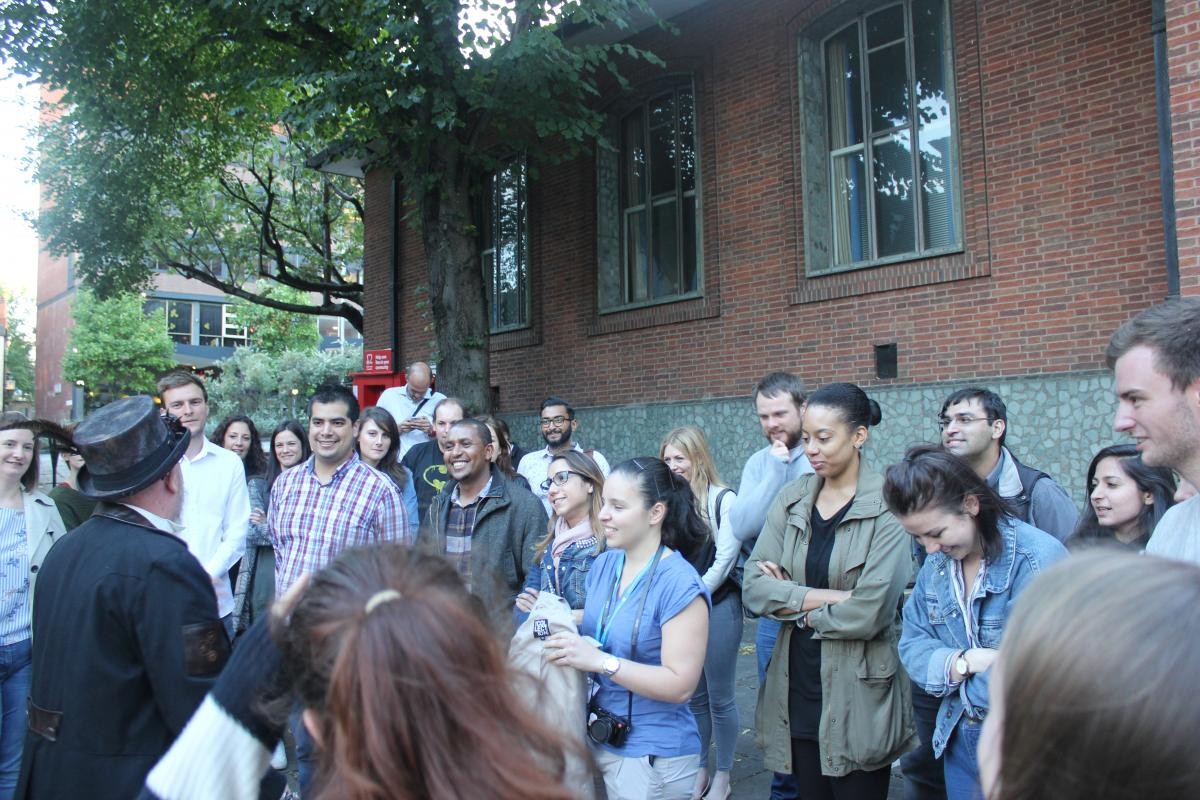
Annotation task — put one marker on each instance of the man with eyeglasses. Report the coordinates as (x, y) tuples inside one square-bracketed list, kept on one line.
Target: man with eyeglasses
[(558, 426), (485, 524), (974, 422)]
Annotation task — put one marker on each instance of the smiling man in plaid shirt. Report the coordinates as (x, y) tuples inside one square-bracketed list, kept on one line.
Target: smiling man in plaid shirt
[(333, 500)]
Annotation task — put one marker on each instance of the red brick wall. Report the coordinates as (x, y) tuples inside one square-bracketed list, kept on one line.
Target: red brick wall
[(1063, 233), (1183, 54)]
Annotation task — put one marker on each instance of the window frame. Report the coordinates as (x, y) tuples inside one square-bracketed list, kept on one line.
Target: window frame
[(486, 206), (817, 157), (611, 175)]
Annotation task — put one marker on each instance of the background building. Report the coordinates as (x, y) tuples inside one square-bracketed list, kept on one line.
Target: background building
[(912, 195)]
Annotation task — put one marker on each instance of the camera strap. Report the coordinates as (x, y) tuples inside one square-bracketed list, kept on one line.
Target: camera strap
[(637, 621)]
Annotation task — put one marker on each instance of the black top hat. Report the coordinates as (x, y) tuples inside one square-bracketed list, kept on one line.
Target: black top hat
[(126, 446)]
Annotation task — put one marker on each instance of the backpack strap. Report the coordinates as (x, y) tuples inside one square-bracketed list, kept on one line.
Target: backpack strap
[(720, 496)]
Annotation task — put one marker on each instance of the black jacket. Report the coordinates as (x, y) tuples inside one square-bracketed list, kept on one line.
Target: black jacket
[(126, 642)]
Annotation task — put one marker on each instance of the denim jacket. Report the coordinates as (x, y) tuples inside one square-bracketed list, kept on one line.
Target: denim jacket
[(573, 567), (934, 630)]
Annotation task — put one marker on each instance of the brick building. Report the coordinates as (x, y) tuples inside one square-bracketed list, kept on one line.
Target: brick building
[(1025, 224)]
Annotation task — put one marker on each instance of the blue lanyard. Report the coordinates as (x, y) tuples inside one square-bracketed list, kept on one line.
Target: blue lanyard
[(606, 621)]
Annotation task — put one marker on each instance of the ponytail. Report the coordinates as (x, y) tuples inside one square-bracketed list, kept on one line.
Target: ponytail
[(683, 529)]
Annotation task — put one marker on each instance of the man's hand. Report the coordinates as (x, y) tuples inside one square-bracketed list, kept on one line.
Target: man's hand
[(779, 449)]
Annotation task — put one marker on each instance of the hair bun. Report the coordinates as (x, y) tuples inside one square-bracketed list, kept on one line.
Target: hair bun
[(876, 413)]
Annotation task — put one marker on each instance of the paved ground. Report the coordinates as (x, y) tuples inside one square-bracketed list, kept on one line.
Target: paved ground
[(750, 779)]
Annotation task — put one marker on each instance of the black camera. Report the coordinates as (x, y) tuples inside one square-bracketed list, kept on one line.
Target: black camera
[(607, 728)]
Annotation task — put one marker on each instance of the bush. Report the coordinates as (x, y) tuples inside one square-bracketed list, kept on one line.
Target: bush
[(260, 385)]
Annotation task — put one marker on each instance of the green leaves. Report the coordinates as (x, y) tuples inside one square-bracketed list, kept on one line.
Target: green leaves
[(115, 348)]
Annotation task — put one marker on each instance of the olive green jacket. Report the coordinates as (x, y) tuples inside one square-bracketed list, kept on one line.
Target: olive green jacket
[(866, 711)]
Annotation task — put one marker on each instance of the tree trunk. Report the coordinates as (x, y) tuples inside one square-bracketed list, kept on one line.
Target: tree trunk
[(456, 291)]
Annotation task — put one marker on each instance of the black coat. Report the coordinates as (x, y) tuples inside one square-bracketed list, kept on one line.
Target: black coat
[(126, 642)]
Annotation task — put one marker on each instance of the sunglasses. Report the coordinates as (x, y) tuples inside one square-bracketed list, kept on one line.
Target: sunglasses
[(559, 478)]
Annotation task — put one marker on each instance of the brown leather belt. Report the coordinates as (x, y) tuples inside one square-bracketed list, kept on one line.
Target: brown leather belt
[(44, 723)]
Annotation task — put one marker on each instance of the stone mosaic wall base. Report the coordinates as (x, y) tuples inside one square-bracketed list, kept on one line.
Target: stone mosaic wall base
[(1056, 423)]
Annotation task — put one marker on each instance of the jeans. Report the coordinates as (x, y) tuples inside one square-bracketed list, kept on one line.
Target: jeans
[(16, 671), (783, 786), (306, 755), (962, 767), (714, 704), (924, 775)]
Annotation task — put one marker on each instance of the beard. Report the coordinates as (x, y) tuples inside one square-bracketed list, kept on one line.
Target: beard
[(557, 438)]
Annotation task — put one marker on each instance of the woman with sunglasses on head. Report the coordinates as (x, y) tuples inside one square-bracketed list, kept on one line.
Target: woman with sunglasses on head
[(1126, 499), (646, 623), (834, 710), (980, 559), (574, 538), (685, 450), (378, 445)]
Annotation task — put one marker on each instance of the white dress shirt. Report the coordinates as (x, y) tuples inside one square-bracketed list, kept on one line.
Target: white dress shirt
[(397, 403), (215, 516)]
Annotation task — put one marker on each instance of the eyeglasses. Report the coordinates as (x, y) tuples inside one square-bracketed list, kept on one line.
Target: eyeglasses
[(961, 420), (554, 422), (559, 478)]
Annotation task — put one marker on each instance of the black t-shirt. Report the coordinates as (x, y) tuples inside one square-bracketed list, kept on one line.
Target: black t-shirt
[(804, 652), (429, 473)]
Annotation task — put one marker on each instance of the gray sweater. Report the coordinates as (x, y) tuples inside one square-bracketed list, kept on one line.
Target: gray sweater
[(762, 478)]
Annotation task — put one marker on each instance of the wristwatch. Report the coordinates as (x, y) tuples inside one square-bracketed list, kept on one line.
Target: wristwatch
[(611, 665), (960, 664)]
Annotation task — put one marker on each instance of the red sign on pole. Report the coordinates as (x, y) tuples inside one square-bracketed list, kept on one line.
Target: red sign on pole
[(378, 361)]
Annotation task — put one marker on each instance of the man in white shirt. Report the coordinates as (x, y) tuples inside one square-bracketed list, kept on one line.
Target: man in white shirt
[(216, 506), (558, 426), (1155, 358), (411, 405)]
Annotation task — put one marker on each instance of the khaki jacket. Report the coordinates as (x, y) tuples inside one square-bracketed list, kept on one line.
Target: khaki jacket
[(866, 712), (43, 527)]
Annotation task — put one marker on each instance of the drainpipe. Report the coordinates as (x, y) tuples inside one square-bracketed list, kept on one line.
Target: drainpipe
[(395, 283), (1166, 151)]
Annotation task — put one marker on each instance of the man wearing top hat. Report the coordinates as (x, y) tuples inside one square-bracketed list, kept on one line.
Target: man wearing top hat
[(126, 635)]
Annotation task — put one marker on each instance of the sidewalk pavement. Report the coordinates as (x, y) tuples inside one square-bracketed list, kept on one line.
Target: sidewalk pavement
[(750, 779)]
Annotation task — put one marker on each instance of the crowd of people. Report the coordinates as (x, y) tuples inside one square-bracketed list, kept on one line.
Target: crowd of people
[(184, 603)]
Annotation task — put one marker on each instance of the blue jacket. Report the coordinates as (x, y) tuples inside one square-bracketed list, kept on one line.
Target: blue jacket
[(573, 567), (933, 626)]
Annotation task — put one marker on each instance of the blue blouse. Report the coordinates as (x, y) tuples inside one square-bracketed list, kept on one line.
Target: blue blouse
[(659, 728), (15, 608)]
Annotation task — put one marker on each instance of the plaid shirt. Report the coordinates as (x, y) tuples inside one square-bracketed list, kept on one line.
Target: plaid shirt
[(460, 524), (311, 522)]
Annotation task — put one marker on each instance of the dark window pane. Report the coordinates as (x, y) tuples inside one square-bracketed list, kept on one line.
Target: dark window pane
[(889, 87), (843, 70), (179, 321), (665, 235), (939, 194), (885, 26), (931, 56), (154, 306), (851, 233), (939, 184), (687, 140), (662, 150), (636, 255), (210, 325), (633, 157), (691, 275), (662, 111), (895, 230)]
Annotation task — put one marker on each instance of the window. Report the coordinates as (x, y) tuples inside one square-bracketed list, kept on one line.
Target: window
[(337, 334), (886, 144), (649, 203), (234, 335), (504, 247), (179, 321), (216, 323)]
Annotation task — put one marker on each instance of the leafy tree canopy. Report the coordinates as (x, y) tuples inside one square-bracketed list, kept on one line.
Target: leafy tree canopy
[(164, 94), (116, 348), (273, 331)]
